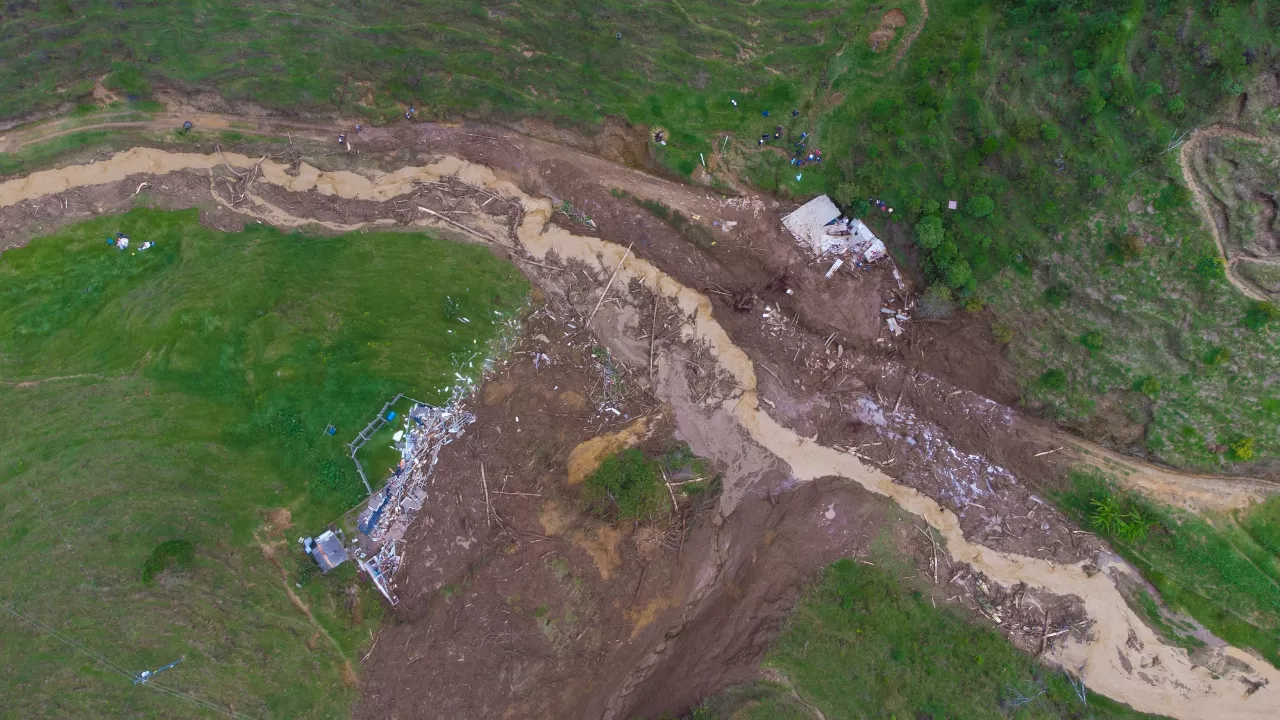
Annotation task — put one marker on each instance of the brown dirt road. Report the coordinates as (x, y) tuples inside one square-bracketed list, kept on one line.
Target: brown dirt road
[(822, 417)]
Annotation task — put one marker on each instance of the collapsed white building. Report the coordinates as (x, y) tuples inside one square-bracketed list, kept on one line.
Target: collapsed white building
[(819, 226)]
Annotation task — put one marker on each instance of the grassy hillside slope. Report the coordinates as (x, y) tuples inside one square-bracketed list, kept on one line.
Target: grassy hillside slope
[(197, 378)]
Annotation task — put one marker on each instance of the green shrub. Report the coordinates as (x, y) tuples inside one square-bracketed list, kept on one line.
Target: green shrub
[(1242, 449), (1049, 132), (1261, 314), (1176, 106), (1094, 104), (1053, 379), (1093, 340), (1148, 386), (1097, 182), (170, 553), (1217, 356), (626, 486), (1211, 268), (1056, 294), (1002, 333), (1123, 518)]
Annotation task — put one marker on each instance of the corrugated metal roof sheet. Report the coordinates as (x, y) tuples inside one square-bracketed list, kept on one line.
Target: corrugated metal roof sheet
[(328, 551), (808, 221)]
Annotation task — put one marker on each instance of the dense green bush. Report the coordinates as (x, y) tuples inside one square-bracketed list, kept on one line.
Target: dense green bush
[(178, 554), (980, 206), (627, 486), (1261, 314), (1053, 379)]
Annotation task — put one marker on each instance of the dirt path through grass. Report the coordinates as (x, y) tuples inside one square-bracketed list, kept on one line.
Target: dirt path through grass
[(1185, 155), (1171, 683), (1187, 490)]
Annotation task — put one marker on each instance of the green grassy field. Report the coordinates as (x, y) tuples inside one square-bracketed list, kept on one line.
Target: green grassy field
[(864, 643), (1223, 570), (199, 377)]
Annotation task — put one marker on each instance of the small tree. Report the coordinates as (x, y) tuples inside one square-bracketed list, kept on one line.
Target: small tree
[(980, 206), (936, 303), (1217, 356), (1097, 182), (928, 232), (1093, 340), (1049, 132), (1094, 104), (847, 194), (959, 274)]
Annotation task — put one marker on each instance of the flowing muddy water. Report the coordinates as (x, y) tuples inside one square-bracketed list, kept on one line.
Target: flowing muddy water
[(1124, 660)]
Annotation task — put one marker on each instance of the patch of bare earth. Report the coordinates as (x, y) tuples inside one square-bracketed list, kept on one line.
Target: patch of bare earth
[(882, 36)]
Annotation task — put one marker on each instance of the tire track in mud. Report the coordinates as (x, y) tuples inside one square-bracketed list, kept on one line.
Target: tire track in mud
[(1124, 660)]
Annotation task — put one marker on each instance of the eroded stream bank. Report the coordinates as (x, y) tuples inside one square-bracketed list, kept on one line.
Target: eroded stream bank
[(1124, 660)]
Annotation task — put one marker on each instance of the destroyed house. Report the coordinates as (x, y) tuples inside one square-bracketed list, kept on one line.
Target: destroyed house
[(818, 226)]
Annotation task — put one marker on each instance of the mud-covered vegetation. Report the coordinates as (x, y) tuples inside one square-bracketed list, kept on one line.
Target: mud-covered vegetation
[(1222, 570), (630, 486), (157, 403)]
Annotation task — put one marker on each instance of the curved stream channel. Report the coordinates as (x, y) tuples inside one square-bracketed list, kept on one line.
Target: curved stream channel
[(1124, 659)]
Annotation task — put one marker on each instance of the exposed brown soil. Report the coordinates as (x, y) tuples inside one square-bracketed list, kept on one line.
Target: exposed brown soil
[(568, 616), (889, 24)]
